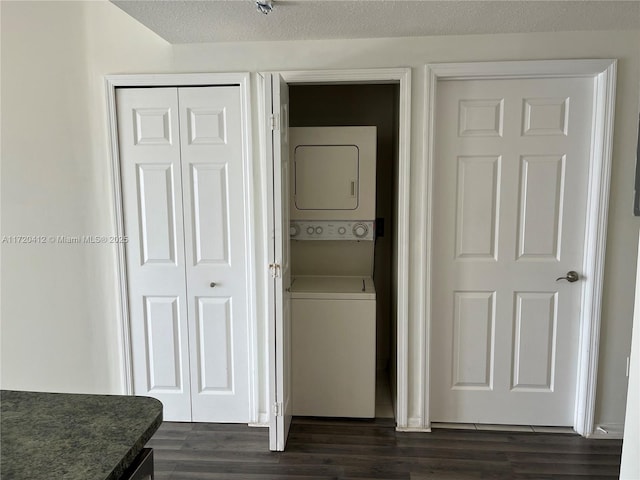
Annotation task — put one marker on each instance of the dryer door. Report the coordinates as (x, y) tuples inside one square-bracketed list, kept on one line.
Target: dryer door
[(333, 173), (326, 177)]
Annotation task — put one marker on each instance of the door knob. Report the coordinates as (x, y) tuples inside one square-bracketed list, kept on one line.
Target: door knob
[(571, 277), (212, 284)]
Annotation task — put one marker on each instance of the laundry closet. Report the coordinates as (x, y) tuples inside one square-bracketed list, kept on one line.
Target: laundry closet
[(343, 150)]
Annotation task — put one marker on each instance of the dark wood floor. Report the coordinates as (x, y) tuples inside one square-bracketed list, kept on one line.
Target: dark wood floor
[(341, 449)]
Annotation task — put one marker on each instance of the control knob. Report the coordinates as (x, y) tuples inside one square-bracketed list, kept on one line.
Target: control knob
[(310, 230), (319, 230), (294, 230), (342, 230), (360, 230)]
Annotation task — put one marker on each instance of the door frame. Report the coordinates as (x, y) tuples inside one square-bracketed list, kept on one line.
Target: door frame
[(242, 79), (401, 76), (603, 73)]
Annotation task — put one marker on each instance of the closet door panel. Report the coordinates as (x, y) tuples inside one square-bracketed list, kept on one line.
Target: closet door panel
[(215, 235), (151, 175), (210, 225), (156, 219), (215, 349)]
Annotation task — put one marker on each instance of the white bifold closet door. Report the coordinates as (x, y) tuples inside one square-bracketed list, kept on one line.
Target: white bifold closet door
[(181, 156)]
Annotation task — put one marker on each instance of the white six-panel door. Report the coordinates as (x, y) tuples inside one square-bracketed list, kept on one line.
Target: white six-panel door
[(510, 192), (183, 197)]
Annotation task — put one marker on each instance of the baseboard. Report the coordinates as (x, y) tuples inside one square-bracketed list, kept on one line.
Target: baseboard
[(414, 425), (261, 425), (608, 431), (263, 421)]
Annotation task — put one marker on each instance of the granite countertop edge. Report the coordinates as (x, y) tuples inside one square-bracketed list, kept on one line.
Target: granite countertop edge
[(73, 436), (135, 449)]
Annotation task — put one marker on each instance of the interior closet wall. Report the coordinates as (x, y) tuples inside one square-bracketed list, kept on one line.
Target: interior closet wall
[(360, 105)]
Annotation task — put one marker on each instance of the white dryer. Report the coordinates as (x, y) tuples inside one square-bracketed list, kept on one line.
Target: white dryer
[(333, 173), (333, 346)]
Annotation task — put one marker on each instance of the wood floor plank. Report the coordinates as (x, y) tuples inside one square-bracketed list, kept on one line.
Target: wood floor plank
[(240, 476), (599, 459), (566, 469), (247, 468), (372, 449)]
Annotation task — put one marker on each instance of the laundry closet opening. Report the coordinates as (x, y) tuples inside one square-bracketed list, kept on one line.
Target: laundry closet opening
[(355, 359)]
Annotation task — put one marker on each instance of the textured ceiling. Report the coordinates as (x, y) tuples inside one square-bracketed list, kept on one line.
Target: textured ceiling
[(196, 21)]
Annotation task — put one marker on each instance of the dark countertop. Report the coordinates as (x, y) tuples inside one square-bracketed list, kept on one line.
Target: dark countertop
[(57, 436)]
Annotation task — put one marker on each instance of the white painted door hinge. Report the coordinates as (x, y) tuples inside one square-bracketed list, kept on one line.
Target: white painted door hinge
[(275, 270), (274, 119), (277, 409)]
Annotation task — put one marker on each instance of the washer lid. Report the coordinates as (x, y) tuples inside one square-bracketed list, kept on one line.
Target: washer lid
[(336, 288)]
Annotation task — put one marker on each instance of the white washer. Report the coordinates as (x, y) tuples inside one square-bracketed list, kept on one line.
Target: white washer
[(333, 346)]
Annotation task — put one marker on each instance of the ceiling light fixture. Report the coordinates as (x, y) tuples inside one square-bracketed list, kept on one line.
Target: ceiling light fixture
[(264, 6)]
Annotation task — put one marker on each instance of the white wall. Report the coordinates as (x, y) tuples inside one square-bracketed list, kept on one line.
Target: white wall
[(59, 301), (630, 465), (59, 308)]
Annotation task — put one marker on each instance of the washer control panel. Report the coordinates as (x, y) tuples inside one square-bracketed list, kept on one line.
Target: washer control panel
[(331, 230)]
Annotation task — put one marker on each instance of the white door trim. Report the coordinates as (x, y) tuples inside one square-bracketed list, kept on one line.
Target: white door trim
[(604, 74), (197, 79), (403, 77)]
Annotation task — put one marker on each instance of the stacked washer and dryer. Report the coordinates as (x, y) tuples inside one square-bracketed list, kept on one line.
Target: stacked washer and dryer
[(333, 298)]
